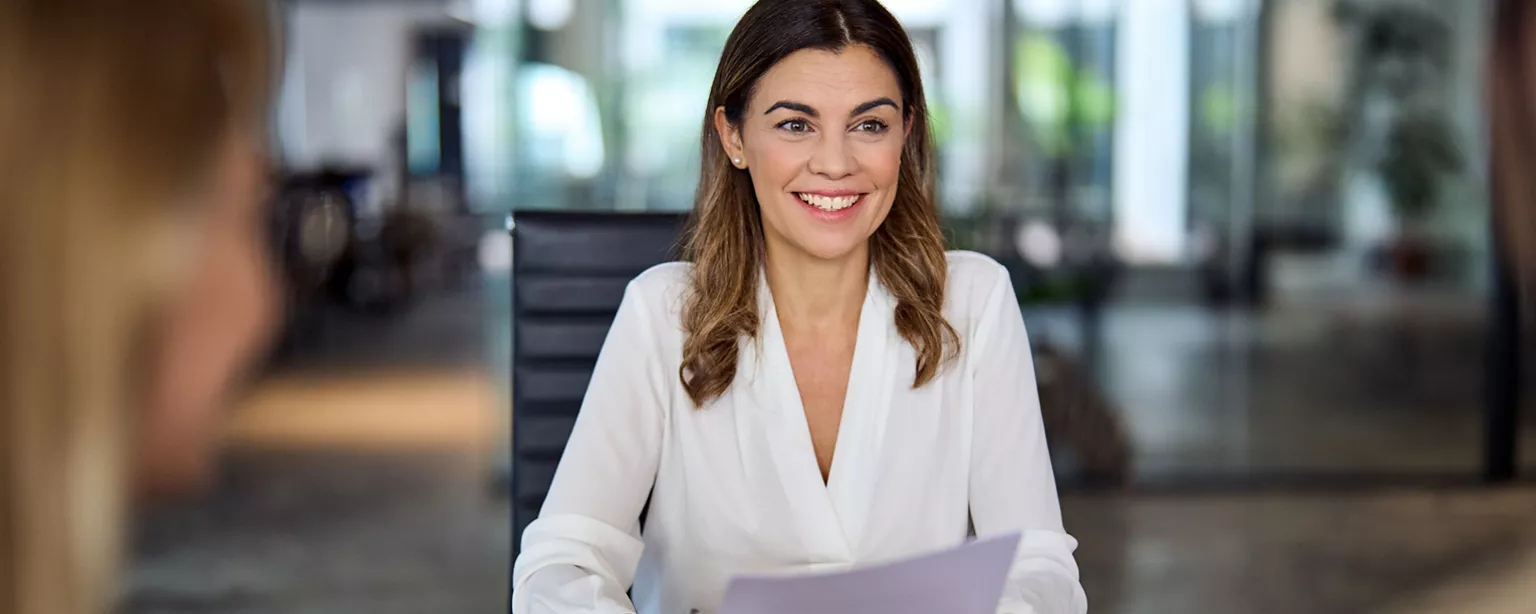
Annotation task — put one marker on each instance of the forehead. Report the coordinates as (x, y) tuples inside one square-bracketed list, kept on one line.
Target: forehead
[(829, 81)]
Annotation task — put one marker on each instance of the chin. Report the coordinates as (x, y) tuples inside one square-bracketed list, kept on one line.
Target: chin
[(830, 248), (830, 242)]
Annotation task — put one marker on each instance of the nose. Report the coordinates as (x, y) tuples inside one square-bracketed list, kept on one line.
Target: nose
[(831, 159)]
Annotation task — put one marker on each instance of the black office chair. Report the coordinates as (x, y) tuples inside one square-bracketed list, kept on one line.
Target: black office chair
[(569, 270)]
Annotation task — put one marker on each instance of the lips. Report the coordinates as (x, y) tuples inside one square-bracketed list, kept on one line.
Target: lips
[(829, 203)]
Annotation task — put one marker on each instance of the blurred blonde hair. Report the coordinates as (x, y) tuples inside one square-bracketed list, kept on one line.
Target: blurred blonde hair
[(110, 111)]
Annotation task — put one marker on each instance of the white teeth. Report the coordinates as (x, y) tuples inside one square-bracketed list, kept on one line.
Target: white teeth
[(829, 203)]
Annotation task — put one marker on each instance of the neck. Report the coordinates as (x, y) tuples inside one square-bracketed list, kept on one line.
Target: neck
[(813, 294)]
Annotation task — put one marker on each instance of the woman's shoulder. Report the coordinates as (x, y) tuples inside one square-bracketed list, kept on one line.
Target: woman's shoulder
[(973, 279), (660, 289), (979, 292)]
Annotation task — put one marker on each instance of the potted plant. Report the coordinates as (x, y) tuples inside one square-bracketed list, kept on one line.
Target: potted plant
[(1396, 127), (1420, 154)]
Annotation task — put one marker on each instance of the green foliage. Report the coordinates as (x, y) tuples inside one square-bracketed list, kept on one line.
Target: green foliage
[(1218, 108), (939, 121), (1058, 101), (1399, 50), (1053, 290), (1420, 151)]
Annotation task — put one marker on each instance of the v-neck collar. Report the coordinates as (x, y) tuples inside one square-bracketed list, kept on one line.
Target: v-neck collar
[(832, 513)]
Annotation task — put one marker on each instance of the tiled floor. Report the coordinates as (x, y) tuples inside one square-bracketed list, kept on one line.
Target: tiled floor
[(324, 532), (1508, 588), (1319, 554)]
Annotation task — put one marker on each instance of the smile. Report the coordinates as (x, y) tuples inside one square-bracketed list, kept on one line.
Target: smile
[(829, 203)]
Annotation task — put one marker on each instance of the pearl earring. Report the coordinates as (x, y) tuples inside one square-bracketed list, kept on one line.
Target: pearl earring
[(736, 161)]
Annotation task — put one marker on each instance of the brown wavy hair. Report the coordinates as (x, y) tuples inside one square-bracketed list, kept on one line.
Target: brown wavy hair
[(724, 238)]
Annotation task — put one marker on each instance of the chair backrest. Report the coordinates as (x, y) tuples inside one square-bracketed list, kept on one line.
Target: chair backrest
[(569, 271)]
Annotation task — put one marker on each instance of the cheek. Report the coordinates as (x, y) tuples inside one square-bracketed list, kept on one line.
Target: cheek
[(210, 337), (776, 162), (881, 162), (223, 317), (216, 325), (241, 252), (774, 165)]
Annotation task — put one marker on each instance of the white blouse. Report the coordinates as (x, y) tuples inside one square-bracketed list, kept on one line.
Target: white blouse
[(736, 484)]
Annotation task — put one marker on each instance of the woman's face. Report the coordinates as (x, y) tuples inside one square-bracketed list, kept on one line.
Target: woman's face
[(822, 139), (214, 326)]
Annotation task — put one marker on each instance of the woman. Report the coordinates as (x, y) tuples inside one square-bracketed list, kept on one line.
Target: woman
[(132, 284), (820, 385)]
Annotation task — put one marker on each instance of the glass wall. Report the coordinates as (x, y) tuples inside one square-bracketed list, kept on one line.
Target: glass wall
[(670, 51), (1370, 241), (1062, 70)]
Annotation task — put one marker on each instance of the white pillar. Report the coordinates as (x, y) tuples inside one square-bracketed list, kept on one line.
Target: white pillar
[(1152, 131)]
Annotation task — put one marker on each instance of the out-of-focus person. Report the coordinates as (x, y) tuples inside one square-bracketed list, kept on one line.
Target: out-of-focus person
[(133, 282)]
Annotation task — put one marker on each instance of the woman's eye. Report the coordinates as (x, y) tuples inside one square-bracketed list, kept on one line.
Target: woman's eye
[(871, 126), (795, 126)]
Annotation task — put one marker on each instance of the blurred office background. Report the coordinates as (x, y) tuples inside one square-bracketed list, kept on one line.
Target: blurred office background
[(1251, 239)]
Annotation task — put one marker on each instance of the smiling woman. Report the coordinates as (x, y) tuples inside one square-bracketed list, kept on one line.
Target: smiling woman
[(825, 103), (826, 164), (820, 385)]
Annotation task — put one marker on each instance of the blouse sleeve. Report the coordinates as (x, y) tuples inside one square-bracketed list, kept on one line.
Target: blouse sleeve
[(1012, 486), (581, 553)]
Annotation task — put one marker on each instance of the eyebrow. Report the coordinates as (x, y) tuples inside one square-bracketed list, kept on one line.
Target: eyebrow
[(873, 104), (801, 107)]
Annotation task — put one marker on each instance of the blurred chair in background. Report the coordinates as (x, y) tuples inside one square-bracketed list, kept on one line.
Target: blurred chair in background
[(133, 281), (1080, 420), (569, 271)]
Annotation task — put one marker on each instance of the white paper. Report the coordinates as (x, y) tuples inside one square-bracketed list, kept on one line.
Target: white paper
[(963, 580)]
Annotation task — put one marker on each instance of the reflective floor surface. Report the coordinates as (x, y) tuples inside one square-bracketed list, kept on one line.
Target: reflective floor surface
[(358, 481), (416, 531)]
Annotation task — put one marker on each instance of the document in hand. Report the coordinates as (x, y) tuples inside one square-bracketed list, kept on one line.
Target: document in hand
[(964, 580)]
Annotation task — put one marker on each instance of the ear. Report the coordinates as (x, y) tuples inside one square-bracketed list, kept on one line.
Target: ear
[(730, 138)]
